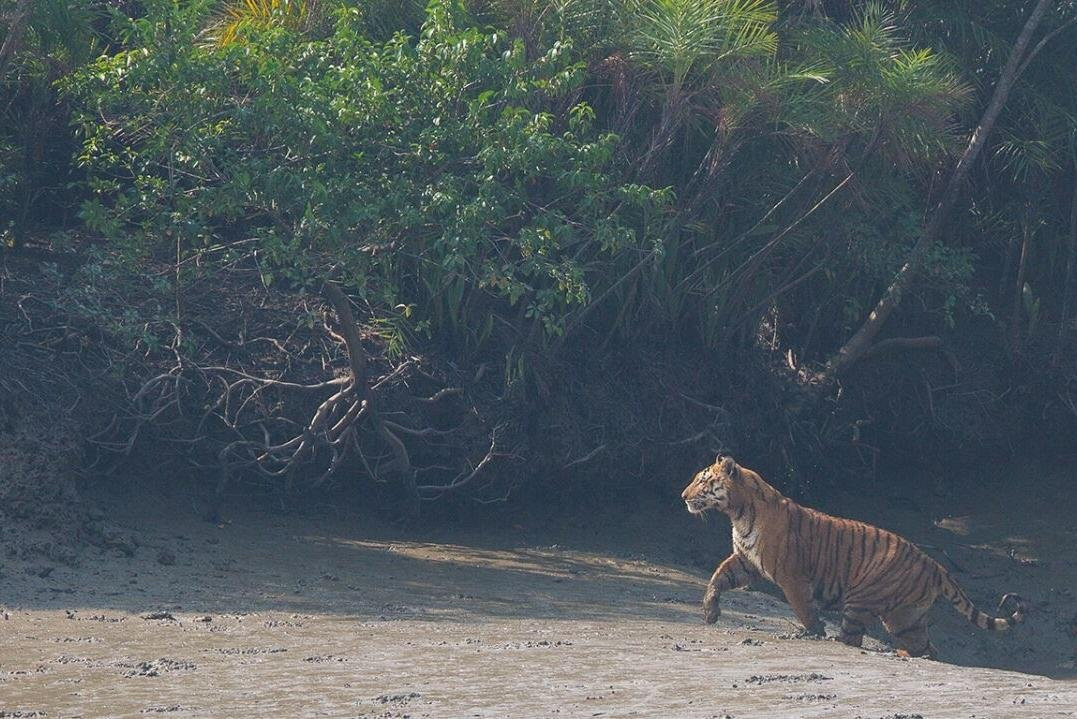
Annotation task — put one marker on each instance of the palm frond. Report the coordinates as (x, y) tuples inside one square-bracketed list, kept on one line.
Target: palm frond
[(240, 15), (679, 37)]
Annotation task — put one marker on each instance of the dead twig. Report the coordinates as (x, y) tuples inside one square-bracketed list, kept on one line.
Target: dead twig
[(585, 458)]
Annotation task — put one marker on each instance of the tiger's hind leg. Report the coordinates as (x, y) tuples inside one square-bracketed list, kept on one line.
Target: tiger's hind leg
[(907, 625), (799, 595), (854, 621)]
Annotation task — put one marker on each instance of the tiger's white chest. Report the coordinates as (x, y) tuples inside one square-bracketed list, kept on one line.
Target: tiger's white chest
[(746, 543)]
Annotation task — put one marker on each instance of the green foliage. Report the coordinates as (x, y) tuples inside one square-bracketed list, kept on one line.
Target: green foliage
[(485, 171), (449, 175)]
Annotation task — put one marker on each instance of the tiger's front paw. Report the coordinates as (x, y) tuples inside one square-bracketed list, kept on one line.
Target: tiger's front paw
[(711, 611)]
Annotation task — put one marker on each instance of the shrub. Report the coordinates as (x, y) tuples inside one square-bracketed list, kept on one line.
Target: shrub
[(447, 176)]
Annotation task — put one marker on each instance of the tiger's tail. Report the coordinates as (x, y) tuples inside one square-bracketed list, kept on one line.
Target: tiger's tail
[(981, 619)]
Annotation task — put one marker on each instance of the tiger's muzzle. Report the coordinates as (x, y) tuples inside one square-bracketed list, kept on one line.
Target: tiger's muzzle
[(695, 505), (699, 500)]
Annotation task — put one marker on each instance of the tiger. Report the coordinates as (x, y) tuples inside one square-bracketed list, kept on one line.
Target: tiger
[(869, 572)]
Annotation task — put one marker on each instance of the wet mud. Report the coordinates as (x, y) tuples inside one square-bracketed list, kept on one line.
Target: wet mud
[(274, 615)]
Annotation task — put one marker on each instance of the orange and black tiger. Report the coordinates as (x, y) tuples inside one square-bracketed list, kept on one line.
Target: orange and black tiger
[(868, 571)]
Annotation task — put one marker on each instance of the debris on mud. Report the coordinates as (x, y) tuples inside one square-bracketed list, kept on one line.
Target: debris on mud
[(318, 659), (156, 667), (397, 698), (165, 709), (768, 678), (810, 697), (163, 615), (533, 644)]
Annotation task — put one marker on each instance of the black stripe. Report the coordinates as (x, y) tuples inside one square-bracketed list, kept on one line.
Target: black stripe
[(822, 544), (884, 553), (990, 622), (863, 553), (834, 540), (949, 589), (916, 583), (851, 547), (878, 556), (836, 577), (812, 540), (803, 548), (925, 587), (839, 535), (894, 582)]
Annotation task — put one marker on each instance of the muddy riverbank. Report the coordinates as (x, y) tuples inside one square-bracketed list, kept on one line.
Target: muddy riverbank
[(288, 615)]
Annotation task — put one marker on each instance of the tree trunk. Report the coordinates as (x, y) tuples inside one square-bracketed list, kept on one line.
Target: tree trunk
[(858, 344), (1067, 282), (1019, 289)]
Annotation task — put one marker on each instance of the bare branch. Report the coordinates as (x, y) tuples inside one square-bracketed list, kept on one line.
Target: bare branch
[(894, 344), (464, 478), (585, 458), (441, 394)]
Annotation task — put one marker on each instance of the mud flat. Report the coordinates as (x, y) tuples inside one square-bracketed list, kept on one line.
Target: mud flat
[(286, 616)]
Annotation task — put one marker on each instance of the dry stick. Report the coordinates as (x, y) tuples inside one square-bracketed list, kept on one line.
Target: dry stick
[(691, 276), (853, 350), (751, 265), (575, 322), (585, 458), (280, 383), (464, 478), (1043, 41), (441, 394), (1018, 291), (14, 34), (792, 284), (1067, 282), (930, 342)]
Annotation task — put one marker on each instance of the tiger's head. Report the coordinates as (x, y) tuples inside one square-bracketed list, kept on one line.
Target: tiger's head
[(720, 486)]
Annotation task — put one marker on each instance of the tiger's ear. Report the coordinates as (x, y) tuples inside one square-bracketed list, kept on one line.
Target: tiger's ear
[(729, 467)]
